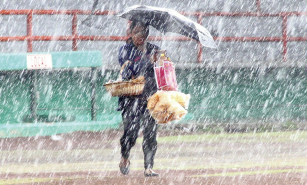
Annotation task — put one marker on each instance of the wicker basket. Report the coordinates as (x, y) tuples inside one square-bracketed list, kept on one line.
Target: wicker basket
[(124, 88)]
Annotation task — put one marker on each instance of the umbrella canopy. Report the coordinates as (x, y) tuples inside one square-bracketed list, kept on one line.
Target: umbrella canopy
[(168, 20)]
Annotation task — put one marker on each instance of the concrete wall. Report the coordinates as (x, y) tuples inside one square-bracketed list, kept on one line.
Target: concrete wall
[(228, 53)]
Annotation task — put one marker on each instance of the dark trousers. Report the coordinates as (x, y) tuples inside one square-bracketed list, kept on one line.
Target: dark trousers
[(136, 116)]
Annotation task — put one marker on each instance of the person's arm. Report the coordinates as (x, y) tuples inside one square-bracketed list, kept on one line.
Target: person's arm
[(123, 59), (122, 55), (126, 72), (154, 54)]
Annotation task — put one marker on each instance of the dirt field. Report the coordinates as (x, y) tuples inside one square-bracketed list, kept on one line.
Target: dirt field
[(182, 158)]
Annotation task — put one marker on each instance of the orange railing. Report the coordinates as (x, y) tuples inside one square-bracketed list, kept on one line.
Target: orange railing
[(75, 37)]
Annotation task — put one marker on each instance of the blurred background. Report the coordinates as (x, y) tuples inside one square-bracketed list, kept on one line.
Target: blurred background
[(257, 74)]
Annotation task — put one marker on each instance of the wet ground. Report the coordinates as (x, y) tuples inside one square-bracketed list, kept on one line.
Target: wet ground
[(182, 158)]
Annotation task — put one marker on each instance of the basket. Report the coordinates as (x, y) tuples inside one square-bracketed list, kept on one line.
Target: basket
[(124, 88)]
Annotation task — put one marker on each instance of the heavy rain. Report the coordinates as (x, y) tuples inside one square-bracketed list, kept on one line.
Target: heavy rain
[(218, 92)]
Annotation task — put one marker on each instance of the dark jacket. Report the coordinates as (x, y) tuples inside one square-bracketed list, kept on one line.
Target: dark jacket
[(140, 66)]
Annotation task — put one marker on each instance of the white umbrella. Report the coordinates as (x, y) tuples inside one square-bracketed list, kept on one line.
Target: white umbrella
[(168, 20)]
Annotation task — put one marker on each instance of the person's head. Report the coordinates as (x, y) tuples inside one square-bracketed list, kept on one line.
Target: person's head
[(139, 32)]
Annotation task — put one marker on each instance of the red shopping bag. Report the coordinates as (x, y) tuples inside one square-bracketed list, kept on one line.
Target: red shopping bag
[(166, 76)]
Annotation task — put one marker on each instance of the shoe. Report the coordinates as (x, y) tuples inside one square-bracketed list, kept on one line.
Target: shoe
[(150, 173), (124, 166)]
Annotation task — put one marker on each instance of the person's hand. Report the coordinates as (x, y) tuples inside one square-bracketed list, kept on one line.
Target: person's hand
[(154, 57)]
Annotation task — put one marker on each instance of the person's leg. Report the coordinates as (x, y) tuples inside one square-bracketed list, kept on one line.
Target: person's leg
[(128, 140), (131, 129), (149, 141)]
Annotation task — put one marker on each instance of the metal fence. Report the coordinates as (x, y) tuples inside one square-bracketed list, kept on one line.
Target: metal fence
[(75, 37)]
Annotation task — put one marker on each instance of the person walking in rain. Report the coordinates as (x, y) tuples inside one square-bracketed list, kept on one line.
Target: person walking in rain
[(136, 58)]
